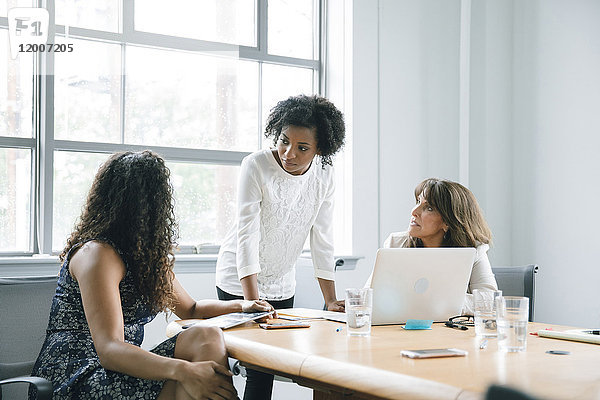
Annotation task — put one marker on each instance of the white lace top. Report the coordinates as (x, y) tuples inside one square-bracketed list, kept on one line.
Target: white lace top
[(276, 211)]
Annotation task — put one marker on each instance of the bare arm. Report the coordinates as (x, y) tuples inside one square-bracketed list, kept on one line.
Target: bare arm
[(250, 287), (328, 290), (98, 270), (321, 248), (187, 307)]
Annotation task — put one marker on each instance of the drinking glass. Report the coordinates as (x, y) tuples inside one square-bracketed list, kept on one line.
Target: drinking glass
[(359, 304), (512, 315), (484, 304)]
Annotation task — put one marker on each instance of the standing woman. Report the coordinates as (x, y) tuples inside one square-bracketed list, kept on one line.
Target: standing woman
[(285, 194), (448, 215), (117, 274)]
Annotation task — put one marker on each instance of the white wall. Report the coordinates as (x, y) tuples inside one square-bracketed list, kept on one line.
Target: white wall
[(364, 122), (491, 130), (555, 146), (534, 121), (535, 101), (405, 111), (419, 101)]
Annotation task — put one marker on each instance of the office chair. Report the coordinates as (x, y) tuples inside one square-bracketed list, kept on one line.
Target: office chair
[(518, 281), (24, 315)]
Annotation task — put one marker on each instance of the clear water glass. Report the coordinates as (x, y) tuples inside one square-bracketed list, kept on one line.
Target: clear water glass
[(359, 305), (484, 304), (512, 317)]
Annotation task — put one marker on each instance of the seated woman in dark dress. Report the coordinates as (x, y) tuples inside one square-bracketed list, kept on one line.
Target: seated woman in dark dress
[(117, 274)]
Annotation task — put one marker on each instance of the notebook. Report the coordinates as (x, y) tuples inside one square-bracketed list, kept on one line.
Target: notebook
[(418, 283), (227, 321)]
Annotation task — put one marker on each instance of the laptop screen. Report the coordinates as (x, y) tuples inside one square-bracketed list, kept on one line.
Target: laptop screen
[(420, 283)]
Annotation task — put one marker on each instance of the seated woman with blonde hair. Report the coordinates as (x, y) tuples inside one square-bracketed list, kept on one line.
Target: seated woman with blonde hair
[(447, 214)]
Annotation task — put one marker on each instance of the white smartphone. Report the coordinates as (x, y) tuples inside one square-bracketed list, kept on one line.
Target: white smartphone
[(432, 353)]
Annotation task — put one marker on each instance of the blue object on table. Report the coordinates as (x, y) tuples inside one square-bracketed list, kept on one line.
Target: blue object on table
[(416, 324)]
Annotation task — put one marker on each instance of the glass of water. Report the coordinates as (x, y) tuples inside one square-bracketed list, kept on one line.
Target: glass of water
[(484, 305), (359, 304), (512, 316)]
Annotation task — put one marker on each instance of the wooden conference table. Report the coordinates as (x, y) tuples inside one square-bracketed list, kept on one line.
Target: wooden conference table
[(324, 358)]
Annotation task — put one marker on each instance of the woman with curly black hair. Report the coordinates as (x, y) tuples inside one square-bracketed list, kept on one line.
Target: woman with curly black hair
[(284, 194), (117, 274)]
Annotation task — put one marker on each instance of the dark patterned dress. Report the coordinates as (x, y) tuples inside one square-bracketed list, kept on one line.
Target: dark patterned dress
[(68, 357)]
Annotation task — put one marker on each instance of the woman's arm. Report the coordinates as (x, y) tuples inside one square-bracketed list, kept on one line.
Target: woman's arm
[(331, 301), (321, 246), (98, 270), (250, 287), (248, 227), (186, 307), (482, 277)]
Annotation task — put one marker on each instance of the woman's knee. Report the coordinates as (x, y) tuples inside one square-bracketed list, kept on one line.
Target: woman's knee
[(200, 343)]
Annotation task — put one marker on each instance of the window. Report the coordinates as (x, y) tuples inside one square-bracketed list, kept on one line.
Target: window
[(193, 81), (16, 149)]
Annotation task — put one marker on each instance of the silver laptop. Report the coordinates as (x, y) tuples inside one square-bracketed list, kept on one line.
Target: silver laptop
[(418, 283)]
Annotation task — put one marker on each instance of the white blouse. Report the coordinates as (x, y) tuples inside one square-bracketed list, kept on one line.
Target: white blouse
[(276, 211)]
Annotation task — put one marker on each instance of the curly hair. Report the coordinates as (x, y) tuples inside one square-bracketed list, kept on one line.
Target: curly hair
[(459, 209), (130, 205), (310, 112)]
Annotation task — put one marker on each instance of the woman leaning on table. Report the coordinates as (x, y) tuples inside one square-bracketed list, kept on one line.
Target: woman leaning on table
[(117, 274), (285, 195), (447, 214)]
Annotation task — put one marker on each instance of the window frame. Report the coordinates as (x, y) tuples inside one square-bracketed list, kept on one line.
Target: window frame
[(43, 145)]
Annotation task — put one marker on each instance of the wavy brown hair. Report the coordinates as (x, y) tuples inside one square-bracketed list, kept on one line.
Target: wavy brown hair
[(459, 210), (130, 205)]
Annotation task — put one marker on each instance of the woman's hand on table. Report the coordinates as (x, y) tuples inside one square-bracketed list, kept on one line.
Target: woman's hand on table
[(337, 305), (257, 306)]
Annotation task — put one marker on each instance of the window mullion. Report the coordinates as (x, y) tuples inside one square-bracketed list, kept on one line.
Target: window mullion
[(261, 45), (260, 104), (123, 83), (45, 142), (262, 27), (127, 28), (224, 157), (127, 16), (321, 43)]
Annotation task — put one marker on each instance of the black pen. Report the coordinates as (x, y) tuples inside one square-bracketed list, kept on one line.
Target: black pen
[(452, 325), (593, 332)]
